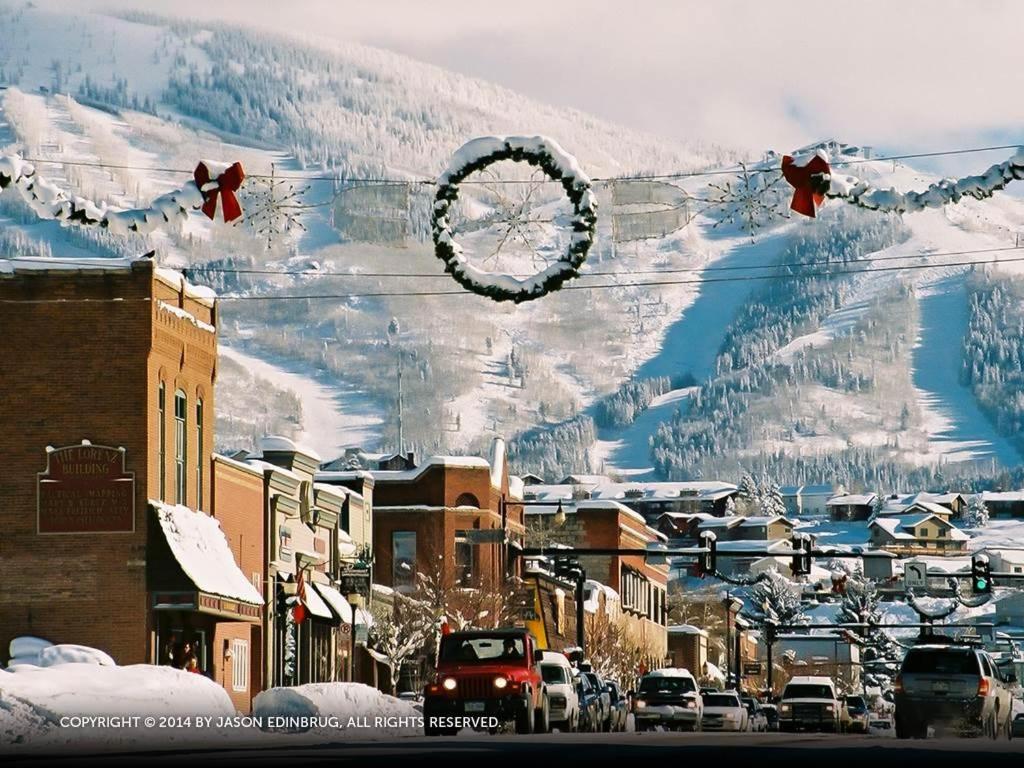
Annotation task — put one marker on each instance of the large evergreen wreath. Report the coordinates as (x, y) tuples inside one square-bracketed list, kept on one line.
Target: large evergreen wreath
[(558, 165)]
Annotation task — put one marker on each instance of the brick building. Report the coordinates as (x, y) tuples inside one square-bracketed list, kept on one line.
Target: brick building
[(109, 406), (449, 513), (640, 584)]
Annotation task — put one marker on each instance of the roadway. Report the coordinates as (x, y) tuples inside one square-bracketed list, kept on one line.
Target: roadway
[(554, 749)]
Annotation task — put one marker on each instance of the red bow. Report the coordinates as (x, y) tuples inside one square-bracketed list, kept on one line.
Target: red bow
[(810, 191), (227, 183)]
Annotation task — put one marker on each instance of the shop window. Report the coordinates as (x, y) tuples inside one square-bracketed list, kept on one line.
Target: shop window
[(199, 453), (161, 447), (403, 560), (180, 446), (239, 665), (463, 558)]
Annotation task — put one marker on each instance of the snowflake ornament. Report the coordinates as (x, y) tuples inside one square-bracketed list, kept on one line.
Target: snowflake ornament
[(274, 206), (752, 200)]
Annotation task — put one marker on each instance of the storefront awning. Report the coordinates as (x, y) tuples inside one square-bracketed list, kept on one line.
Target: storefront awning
[(315, 604), (198, 548), (337, 602)]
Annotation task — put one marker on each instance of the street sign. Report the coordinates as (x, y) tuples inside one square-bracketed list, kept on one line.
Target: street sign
[(752, 668), (915, 574), (485, 536), (354, 582)]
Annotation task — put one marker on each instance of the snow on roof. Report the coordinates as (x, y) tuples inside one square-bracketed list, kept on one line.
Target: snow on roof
[(686, 629), (1006, 555), (177, 281), (275, 443), (929, 507), (1002, 496), (763, 520), (337, 601), (41, 264), (669, 672), (601, 487), (898, 527), (720, 522), (200, 547), (264, 466), (400, 475), (852, 499), (243, 465), (178, 312), (343, 475)]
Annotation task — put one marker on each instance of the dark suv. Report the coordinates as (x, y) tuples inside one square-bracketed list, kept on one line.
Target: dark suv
[(952, 687)]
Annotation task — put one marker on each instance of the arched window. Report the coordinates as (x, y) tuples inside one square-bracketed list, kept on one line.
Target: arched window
[(180, 446), (467, 500), (161, 432), (199, 453)]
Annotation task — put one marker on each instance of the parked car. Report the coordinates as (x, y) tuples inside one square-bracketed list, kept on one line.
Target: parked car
[(619, 704), (563, 700), (756, 720), (590, 705), (604, 696), (810, 704), (952, 688), (724, 711), (880, 724), (856, 714), (668, 697), (1017, 728), (493, 673), (771, 715)]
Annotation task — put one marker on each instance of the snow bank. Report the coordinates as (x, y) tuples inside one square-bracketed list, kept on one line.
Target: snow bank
[(35, 703), (53, 655), (342, 701)]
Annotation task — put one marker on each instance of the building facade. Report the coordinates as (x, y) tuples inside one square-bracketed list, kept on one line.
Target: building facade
[(109, 413)]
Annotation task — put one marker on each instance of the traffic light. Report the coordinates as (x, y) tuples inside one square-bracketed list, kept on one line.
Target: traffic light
[(567, 568), (801, 546), (981, 575), (707, 561)]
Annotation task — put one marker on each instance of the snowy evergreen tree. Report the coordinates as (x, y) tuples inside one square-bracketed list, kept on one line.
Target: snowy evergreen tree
[(777, 600), (748, 488), (976, 515), (880, 654), (770, 501)]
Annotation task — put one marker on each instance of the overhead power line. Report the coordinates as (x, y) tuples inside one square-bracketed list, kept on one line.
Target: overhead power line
[(312, 273), (570, 287), (384, 180)]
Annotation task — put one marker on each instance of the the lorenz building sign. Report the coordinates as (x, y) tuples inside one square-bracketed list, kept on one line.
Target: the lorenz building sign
[(85, 489)]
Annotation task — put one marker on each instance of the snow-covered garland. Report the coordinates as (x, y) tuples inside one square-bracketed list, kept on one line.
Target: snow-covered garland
[(559, 165), (858, 192), (211, 181)]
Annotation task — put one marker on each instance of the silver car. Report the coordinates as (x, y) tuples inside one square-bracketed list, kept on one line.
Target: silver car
[(952, 688)]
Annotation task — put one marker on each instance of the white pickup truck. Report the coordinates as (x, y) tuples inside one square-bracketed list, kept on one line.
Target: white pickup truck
[(810, 704)]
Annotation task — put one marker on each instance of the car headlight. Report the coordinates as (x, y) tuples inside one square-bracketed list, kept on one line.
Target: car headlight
[(500, 683), (641, 704), (829, 708), (449, 683), (784, 708), (690, 704), (730, 716)]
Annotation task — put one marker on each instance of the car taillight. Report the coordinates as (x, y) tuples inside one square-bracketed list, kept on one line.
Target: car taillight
[(897, 685), (983, 686)]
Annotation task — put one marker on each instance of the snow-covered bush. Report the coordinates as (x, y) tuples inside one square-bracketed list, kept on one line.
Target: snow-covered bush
[(976, 515)]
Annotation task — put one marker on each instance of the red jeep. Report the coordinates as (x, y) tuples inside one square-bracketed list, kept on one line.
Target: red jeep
[(487, 673)]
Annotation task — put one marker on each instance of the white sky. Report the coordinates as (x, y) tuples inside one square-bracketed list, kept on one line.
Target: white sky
[(902, 76)]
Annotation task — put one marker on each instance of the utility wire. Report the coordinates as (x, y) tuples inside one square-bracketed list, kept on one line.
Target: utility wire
[(570, 287), (383, 180), (200, 269)]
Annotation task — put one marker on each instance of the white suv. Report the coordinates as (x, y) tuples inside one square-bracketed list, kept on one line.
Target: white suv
[(810, 703), (668, 697), (563, 701)]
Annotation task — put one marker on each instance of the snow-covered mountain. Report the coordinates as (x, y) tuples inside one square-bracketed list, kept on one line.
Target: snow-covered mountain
[(864, 370)]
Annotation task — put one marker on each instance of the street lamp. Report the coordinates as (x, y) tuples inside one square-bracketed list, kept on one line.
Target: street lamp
[(732, 607)]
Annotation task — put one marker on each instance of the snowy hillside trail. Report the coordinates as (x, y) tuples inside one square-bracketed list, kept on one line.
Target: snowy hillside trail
[(957, 427), (690, 346), (333, 416)]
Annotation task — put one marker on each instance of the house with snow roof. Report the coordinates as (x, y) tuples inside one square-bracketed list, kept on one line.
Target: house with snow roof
[(809, 500), (852, 506), (1004, 505), (649, 499), (759, 528), (918, 534)]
